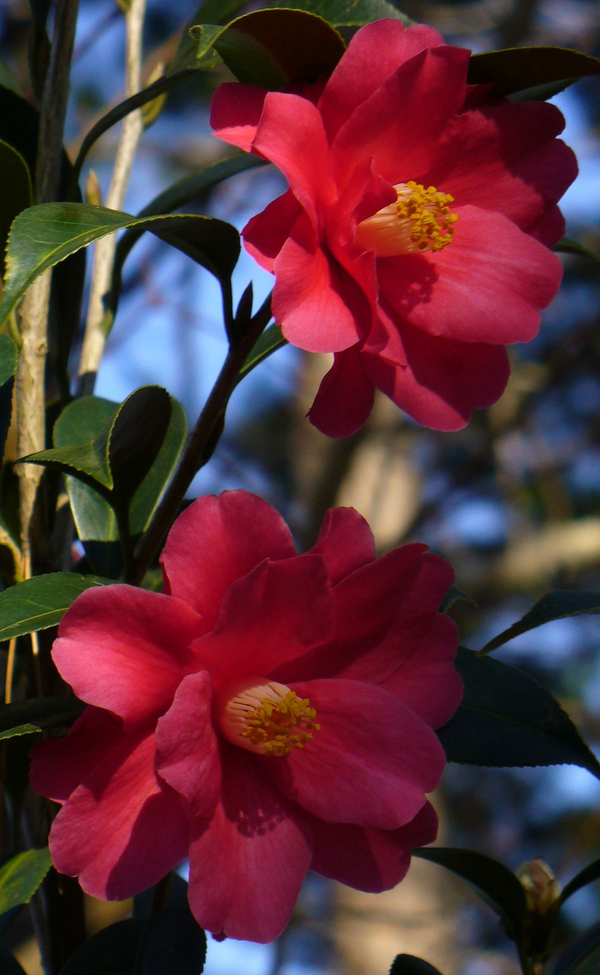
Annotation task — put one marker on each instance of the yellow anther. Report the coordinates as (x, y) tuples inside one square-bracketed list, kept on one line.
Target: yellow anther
[(265, 717), (419, 220)]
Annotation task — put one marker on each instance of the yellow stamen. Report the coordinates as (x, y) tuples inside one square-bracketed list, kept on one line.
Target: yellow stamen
[(419, 220), (265, 717)]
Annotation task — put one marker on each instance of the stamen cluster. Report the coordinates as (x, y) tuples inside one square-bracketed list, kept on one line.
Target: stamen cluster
[(428, 213), (279, 726)]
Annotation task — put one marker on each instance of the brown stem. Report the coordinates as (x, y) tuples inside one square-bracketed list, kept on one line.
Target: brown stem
[(201, 443)]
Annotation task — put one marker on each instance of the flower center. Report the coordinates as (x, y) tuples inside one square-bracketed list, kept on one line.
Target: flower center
[(419, 220), (265, 717)]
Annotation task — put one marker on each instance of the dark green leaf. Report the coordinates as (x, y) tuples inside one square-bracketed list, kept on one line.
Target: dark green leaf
[(149, 493), (41, 602), (507, 719), (495, 883), (553, 606), (22, 729), (534, 72), (42, 712), (17, 193), (410, 965), (582, 957), (21, 877), (586, 876), (8, 367), (209, 12), (43, 235), (167, 943), (346, 13), (454, 595), (274, 48), (269, 342), (568, 246)]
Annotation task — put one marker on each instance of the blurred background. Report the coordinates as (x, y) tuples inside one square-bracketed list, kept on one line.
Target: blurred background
[(513, 501)]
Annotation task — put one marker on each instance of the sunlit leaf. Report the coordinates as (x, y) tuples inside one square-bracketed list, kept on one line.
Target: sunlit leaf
[(21, 877), (22, 729), (41, 602), (553, 606)]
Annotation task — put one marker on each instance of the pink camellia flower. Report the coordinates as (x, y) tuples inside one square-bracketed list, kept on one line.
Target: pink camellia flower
[(269, 713), (414, 239)]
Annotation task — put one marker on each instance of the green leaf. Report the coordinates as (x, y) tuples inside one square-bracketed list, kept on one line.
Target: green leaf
[(582, 957), (167, 943), (568, 246), (22, 729), (495, 883), (455, 595), (269, 342), (507, 719), (21, 877), (410, 965), (39, 603), (274, 48), (346, 13), (146, 498), (17, 192), (553, 606), (586, 876), (40, 712), (43, 235), (532, 73)]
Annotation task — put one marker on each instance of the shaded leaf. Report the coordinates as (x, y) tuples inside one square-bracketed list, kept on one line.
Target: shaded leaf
[(455, 595), (46, 234), (21, 877), (582, 957), (346, 13), (270, 340), (410, 965), (8, 366), (553, 606), (43, 712), (9, 964), (40, 602), (568, 246), (533, 72), (274, 48), (507, 719), (22, 729), (586, 876), (496, 884), (17, 192), (146, 498)]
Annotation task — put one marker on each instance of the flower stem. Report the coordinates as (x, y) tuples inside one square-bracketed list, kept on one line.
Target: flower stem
[(201, 442)]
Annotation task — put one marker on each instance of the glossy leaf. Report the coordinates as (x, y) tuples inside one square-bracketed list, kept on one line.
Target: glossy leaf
[(531, 73), (553, 606), (21, 729), (17, 192), (586, 876), (44, 235), (568, 246), (582, 957), (167, 943), (21, 877), (507, 719), (40, 602), (346, 13), (41, 712), (410, 965), (496, 884), (274, 48), (268, 343)]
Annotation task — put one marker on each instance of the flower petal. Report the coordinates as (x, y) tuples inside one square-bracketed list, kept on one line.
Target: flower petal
[(488, 285), (235, 112), (370, 859), (122, 829), (265, 234), (126, 650), (345, 542), (248, 862), (370, 764), (187, 755), (216, 541), (374, 53), (276, 613), (345, 397)]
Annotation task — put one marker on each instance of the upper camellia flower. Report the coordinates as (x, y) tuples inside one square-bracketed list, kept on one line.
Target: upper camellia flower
[(413, 241), (268, 713)]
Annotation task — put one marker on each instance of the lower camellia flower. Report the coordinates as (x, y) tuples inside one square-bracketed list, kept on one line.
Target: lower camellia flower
[(269, 713), (414, 239)]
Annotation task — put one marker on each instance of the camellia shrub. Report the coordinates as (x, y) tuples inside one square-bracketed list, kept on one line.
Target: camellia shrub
[(257, 710)]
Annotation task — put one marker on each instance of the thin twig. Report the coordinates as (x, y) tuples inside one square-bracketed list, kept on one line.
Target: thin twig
[(34, 310), (200, 444), (95, 331), (10, 670)]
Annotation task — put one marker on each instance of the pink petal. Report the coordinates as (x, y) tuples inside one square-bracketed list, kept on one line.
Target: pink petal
[(370, 764), (216, 541), (486, 286), (265, 234), (370, 859), (121, 830), (235, 112), (549, 228), (345, 397), (345, 542), (187, 755), (248, 862), (59, 764), (401, 123), (318, 305), (276, 613), (444, 381), (374, 53), (288, 125), (126, 650)]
